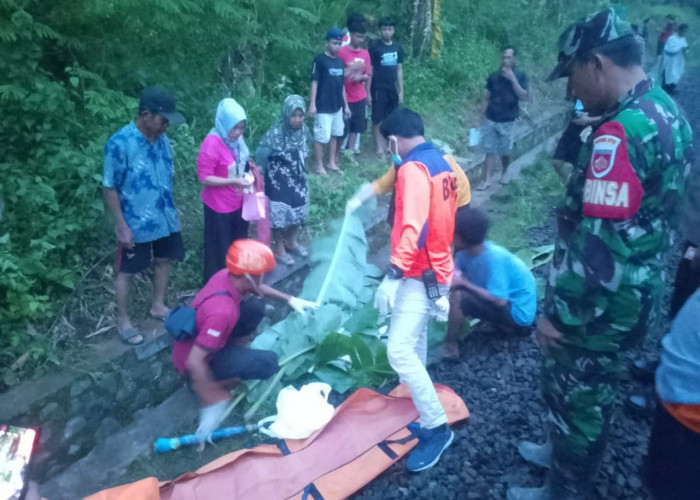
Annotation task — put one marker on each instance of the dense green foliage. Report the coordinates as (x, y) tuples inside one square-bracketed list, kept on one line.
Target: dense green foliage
[(70, 76)]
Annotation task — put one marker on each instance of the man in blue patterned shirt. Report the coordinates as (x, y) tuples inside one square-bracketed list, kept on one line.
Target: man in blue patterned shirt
[(138, 190)]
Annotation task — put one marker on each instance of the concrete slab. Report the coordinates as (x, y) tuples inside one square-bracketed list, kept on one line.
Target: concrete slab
[(105, 465)]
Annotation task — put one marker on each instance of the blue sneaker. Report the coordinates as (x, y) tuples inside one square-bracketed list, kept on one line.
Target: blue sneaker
[(431, 444)]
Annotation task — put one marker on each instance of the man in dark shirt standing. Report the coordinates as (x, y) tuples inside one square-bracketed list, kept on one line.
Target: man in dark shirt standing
[(505, 89), (387, 83), (328, 105)]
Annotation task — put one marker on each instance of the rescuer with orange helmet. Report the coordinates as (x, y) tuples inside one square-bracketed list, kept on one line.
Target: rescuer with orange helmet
[(217, 356)]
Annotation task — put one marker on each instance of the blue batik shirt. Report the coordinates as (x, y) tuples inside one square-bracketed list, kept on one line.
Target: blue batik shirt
[(142, 174)]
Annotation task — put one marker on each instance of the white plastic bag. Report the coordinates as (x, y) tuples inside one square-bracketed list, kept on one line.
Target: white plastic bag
[(302, 412), (474, 137)]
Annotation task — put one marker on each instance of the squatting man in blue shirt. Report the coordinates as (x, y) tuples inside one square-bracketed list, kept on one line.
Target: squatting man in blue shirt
[(489, 283)]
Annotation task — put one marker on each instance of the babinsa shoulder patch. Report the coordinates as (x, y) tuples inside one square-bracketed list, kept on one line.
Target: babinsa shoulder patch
[(612, 189)]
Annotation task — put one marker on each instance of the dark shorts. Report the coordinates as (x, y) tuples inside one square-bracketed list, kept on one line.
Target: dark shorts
[(244, 363), (474, 306), (384, 101), (241, 362), (569, 144), (140, 256), (673, 460), (357, 124)]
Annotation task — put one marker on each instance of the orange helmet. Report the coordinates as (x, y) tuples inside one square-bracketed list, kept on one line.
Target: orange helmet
[(249, 257)]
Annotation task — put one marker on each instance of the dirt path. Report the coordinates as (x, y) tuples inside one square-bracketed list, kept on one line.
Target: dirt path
[(498, 378)]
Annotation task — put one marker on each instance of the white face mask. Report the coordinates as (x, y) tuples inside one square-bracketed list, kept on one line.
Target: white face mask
[(395, 152)]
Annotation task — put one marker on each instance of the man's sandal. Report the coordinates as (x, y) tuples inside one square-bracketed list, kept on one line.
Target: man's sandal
[(286, 259), (300, 251), (161, 317), (129, 336)]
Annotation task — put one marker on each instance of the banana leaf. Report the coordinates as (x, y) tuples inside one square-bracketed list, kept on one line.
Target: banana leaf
[(339, 262), (369, 365), (535, 257), (344, 283), (364, 318)]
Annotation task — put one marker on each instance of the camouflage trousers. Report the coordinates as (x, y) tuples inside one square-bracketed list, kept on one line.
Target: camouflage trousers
[(579, 387)]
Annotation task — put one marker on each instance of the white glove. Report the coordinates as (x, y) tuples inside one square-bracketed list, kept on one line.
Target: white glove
[(210, 417), (352, 205), (364, 193), (441, 309), (301, 305), (386, 295)]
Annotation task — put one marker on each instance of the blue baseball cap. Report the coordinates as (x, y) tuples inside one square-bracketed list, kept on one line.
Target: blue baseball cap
[(334, 34)]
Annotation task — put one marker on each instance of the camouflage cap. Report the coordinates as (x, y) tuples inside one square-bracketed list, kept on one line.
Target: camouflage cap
[(586, 34)]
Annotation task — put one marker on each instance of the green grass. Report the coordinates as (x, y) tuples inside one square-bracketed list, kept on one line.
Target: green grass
[(329, 194), (523, 204)]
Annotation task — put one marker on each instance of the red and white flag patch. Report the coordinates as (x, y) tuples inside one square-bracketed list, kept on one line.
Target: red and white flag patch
[(604, 152), (612, 189)]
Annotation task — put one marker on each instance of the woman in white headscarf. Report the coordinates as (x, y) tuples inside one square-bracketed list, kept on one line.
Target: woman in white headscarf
[(222, 169), (673, 62)]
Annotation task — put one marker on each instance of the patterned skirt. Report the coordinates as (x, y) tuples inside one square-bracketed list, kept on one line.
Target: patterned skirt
[(288, 190)]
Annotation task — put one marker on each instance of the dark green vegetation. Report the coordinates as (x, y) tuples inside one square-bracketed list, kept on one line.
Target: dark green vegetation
[(70, 74), (532, 198)]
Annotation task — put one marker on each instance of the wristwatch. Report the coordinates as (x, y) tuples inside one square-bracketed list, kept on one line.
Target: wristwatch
[(394, 273)]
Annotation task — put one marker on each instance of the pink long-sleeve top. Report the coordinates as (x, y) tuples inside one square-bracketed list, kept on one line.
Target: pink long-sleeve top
[(216, 159)]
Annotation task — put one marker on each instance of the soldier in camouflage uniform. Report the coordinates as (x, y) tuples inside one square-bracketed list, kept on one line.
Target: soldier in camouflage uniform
[(615, 228)]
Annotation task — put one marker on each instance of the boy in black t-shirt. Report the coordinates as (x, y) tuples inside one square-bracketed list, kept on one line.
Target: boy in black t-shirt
[(387, 82), (329, 105)]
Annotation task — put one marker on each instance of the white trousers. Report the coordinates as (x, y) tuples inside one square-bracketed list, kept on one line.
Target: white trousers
[(407, 349)]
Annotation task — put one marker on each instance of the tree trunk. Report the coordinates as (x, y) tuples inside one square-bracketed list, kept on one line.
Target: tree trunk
[(436, 40), (421, 26)]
